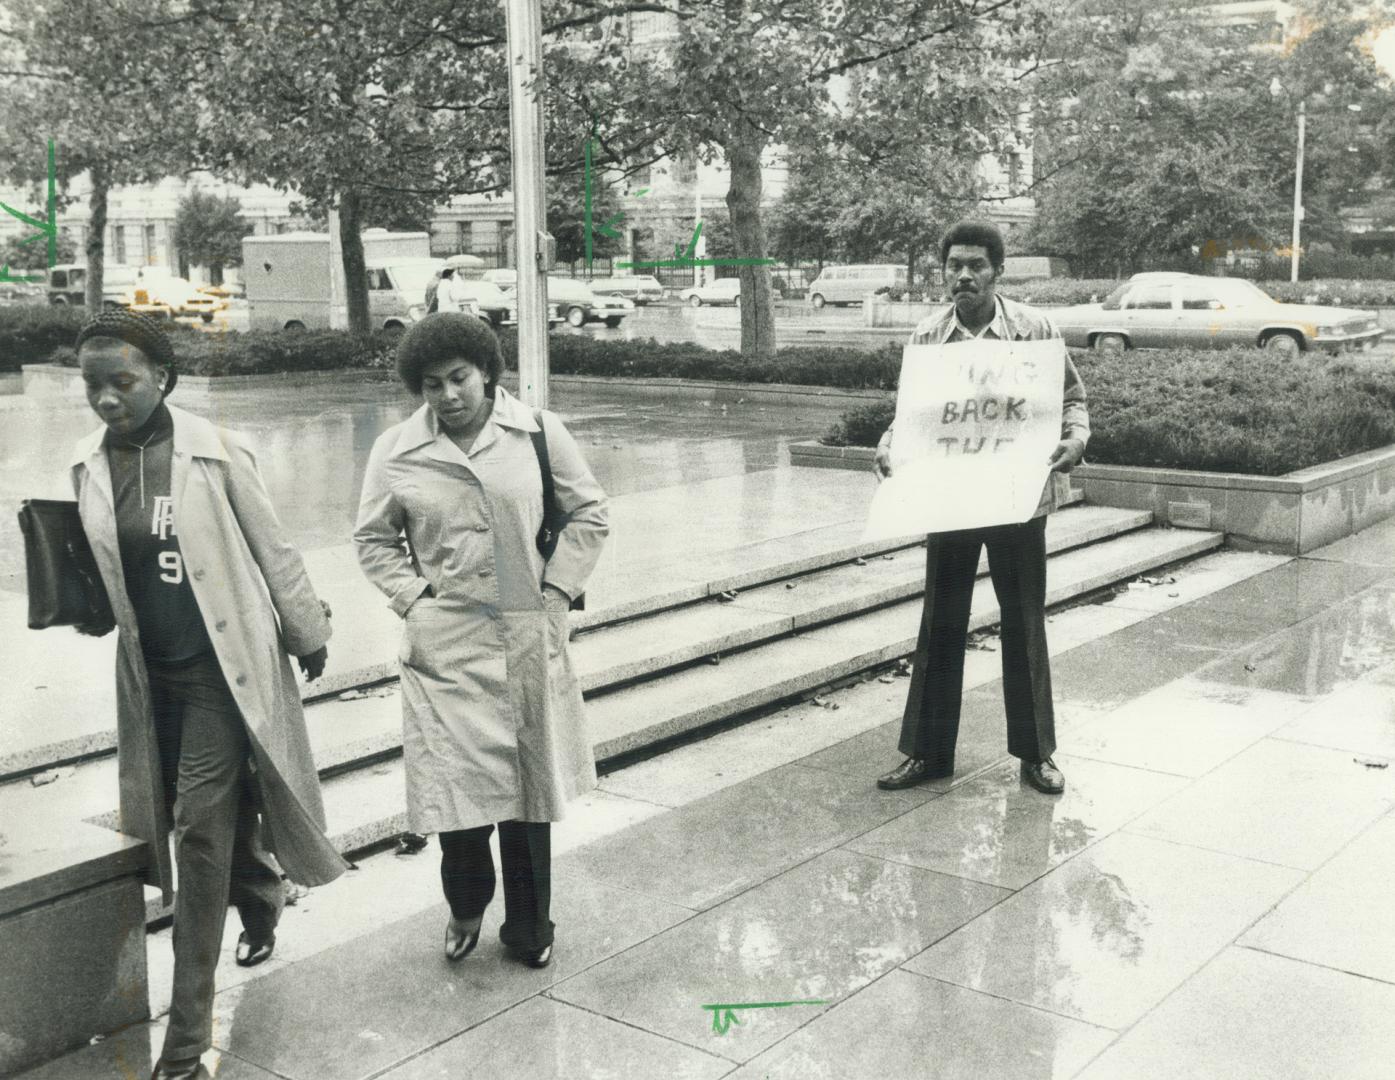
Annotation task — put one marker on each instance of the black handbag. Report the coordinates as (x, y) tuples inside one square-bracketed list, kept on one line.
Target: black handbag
[(554, 520), (65, 586)]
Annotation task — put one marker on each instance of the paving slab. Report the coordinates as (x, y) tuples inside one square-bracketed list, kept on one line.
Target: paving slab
[(1334, 646), (819, 932), (1281, 802), (1109, 934), (362, 1007), (1252, 1015), (541, 1039), (723, 844), (1340, 917), (908, 1027), (1187, 727), (999, 830), (1359, 717), (1374, 546)]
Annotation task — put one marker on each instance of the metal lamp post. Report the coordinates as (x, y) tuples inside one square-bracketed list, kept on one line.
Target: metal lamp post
[(536, 250)]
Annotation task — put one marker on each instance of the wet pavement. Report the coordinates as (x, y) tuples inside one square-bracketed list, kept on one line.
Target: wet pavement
[(312, 445), (1209, 898)]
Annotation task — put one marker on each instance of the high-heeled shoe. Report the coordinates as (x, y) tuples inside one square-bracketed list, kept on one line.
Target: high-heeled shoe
[(460, 942)]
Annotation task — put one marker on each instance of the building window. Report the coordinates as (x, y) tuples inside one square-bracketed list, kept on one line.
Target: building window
[(150, 258), (118, 244)]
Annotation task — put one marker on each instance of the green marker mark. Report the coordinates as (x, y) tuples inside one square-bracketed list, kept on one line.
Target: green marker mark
[(47, 228), (724, 1014)]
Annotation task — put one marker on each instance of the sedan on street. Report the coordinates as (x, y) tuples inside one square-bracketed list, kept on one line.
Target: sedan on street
[(725, 290), (1166, 310)]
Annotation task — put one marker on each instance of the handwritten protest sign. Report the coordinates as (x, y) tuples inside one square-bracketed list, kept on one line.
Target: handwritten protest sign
[(976, 422)]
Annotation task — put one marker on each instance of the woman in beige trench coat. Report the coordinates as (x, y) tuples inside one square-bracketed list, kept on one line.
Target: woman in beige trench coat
[(493, 730), (209, 598)]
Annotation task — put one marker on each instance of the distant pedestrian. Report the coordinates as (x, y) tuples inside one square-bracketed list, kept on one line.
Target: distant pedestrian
[(971, 254), (448, 529), (209, 597)]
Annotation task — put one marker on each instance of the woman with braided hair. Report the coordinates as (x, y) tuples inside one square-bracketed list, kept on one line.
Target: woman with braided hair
[(210, 598)]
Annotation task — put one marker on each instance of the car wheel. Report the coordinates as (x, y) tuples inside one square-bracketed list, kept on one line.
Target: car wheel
[(613, 321), (295, 326), (695, 301), (576, 317), (1110, 343), (817, 300), (393, 329), (1283, 343), (206, 316), (496, 319), (59, 301)]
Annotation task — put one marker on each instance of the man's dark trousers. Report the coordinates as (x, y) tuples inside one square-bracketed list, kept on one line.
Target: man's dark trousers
[(1017, 565)]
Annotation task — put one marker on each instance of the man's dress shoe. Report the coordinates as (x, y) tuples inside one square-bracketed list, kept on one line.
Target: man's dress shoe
[(910, 772), (1044, 776), (459, 941)]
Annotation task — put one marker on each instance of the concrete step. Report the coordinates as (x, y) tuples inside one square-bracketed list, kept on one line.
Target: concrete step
[(66, 719), (638, 716), (612, 654)]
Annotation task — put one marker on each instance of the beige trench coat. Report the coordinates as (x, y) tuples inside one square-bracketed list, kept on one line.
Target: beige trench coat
[(247, 578), (492, 721)]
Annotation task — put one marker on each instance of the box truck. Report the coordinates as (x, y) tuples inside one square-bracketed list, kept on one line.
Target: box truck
[(290, 279)]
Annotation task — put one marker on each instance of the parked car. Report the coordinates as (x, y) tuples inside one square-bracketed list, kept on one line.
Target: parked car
[(182, 298), (725, 290), (67, 284), (1161, 310), (850, 284), (554, 313), (489, 301), (502, 276), (579, 305), (639, 288)]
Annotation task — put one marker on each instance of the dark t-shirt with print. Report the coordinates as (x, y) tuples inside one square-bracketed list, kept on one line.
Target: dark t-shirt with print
[(167, 615)]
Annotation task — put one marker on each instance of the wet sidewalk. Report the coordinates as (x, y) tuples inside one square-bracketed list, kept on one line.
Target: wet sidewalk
[(1209, 898)]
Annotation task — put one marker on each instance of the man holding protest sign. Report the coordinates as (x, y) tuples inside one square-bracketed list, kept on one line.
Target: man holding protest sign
[(989, 406)]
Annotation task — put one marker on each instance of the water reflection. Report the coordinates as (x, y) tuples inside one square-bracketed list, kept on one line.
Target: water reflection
[(313, 442)]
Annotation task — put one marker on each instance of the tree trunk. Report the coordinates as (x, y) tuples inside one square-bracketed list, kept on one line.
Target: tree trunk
[(748, 231), (96, 237), (215, 274), (355, 269)]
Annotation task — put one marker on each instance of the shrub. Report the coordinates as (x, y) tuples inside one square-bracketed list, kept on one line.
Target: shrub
[(30, 332), (1237, 410), (265, 352), (1334, 291), (853, 369)]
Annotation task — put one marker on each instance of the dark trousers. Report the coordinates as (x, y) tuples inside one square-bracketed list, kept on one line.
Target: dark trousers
[(467, 876), (1017, 565), (218, 853)]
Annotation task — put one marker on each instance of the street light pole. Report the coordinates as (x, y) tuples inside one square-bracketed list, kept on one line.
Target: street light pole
[(1298, 190), (524, 29)]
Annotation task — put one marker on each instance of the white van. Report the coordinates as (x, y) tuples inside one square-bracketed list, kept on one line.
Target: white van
[(851, 284)]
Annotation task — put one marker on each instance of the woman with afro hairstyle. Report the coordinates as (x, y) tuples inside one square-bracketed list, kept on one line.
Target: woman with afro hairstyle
[(448, 529), (210, 598)]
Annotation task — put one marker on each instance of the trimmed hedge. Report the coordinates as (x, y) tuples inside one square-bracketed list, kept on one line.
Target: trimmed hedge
[(1234, 410), (849, 369), (30, 332), (268, 352)]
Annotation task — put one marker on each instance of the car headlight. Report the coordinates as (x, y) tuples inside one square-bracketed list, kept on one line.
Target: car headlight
[(1329, 331), (417, 312)]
